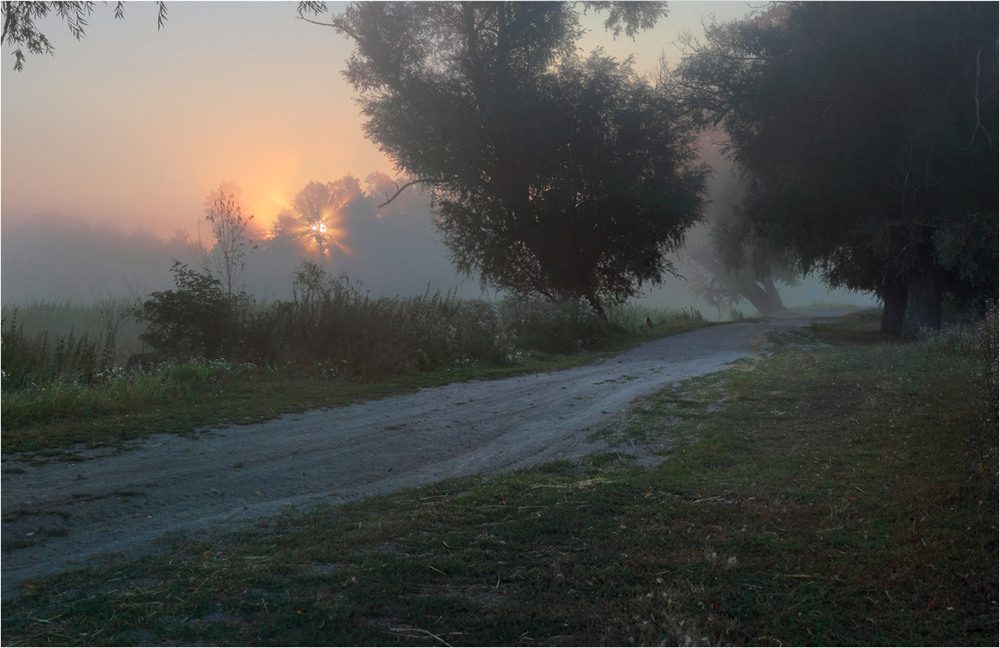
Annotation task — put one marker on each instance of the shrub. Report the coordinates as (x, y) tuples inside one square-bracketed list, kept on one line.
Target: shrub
[(198, 319), (554, 327)]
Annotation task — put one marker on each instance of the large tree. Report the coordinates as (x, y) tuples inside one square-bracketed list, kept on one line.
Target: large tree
[(552, 174), (868, 135), (725, 261)]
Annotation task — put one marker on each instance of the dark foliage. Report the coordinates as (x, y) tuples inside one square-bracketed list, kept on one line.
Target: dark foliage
[(20, 30), (553, 175), (197, 319), (868, 133)]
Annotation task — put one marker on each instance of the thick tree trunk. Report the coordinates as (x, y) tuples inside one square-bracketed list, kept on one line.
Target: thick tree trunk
[(893, 306), (766, 300), (924, 294), (772, 293)]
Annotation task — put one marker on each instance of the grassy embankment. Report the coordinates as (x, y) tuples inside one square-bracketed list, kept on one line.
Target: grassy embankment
[(65, 387), (826, 495)]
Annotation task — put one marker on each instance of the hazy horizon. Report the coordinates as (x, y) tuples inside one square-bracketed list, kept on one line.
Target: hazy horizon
[(111, 145)]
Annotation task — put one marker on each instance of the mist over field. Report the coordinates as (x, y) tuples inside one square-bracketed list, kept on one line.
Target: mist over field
[(54, 257), (51, 256), (86, 218), (389, 251)]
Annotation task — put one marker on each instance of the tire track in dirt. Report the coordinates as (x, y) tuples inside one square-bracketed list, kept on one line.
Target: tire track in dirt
[(119, 505)]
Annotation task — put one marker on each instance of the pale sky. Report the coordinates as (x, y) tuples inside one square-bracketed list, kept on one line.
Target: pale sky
[(133, 127)]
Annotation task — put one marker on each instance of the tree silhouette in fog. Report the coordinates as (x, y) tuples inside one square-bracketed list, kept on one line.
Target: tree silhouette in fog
[(868, 135), (726, 262), (552, 174), (316, 217), (225, 259)]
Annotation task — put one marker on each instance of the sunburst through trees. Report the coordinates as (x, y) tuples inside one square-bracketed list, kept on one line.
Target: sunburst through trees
[(315, 219)]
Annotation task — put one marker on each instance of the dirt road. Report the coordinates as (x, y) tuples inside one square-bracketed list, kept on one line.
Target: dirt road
[(118, 505)]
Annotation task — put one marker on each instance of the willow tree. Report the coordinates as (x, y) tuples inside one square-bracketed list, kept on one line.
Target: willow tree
[(552, 174), (21, 31), (868, 134)]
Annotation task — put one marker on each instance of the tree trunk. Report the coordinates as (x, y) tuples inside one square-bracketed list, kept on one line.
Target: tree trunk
[(893, 306), (767, 302), (772, 293), (924, 294)]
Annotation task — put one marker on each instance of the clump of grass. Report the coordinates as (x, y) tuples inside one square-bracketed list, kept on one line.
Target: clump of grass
[(975, 345)]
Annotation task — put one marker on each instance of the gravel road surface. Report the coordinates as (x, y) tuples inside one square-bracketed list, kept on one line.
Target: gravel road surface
[(115, 505)]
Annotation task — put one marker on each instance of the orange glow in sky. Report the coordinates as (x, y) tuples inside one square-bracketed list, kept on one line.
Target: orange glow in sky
[(134, 127)]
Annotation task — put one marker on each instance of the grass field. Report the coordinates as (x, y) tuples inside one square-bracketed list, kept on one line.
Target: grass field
[(841, 491)]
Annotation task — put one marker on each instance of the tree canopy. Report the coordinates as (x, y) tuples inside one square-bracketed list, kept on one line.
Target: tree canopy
[(552, 174), (868, 133)]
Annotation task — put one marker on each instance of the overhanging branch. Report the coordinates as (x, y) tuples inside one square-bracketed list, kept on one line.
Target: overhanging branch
[(400, 190)]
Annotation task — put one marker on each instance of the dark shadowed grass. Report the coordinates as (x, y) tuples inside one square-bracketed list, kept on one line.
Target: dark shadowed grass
[(841, 495)]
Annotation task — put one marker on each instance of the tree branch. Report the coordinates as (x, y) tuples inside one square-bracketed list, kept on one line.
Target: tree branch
[(979, 123), (316, 22), (401, 189)]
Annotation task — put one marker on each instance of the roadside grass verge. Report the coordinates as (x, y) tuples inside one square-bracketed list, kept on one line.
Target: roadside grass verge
[(832, 495), (63, 417), (58, 419)]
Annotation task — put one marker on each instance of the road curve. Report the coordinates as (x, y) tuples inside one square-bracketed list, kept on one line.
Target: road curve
[(118, 504)]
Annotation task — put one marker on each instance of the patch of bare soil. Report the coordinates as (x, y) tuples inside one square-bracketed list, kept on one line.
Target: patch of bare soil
[(61, 516)]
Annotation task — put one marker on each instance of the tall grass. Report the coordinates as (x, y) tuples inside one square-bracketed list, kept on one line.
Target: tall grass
[(44, 341), (556, 327), (632, 318), (339, 324), (66, 362)]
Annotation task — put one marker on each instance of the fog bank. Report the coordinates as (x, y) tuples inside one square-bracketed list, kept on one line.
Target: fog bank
[(58, 258)]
